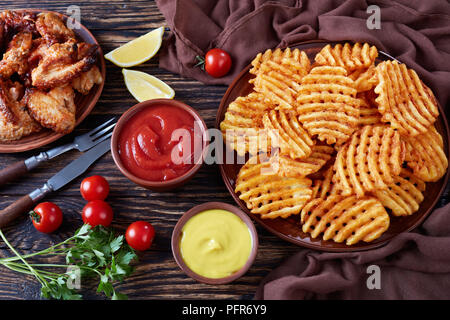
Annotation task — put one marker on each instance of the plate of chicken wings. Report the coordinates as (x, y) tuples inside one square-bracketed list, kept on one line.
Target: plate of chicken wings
[(51, 77)]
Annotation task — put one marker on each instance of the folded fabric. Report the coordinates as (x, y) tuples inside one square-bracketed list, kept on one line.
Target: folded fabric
[(414, 31), (414, 265)]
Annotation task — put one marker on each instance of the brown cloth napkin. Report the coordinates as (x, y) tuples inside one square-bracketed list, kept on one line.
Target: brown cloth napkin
[(413, 265), (416, 32)]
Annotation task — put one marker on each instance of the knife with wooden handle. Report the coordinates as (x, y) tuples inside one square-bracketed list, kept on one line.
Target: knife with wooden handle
[(73, 170)]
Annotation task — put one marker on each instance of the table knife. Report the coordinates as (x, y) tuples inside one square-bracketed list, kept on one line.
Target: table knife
[(59, 180)]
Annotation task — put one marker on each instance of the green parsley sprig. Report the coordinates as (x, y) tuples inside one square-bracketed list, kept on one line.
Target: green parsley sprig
[(91, 252)]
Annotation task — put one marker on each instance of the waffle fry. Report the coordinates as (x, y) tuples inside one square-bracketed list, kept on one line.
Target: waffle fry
[(242, 125), (347, 56), (327, 106), (329, 142), (404, 196), (287, 167), (425, 155), (288, 134), (368, 111), (271, 195), (278, 75), (365, 79), (369, 161), (323, 188), (403, 100), (348, 219)]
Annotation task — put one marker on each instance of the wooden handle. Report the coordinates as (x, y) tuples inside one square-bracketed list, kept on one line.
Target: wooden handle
[(12, 172), (14, 210)]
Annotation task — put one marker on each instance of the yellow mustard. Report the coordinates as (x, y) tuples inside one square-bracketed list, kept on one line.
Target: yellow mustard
[(215, 243)]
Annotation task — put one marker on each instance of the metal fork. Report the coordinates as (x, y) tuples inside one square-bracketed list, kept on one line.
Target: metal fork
[(82, 143)]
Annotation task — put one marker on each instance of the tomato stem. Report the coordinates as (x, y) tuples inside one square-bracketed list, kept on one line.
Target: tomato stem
[(200, 62), (35, 216)]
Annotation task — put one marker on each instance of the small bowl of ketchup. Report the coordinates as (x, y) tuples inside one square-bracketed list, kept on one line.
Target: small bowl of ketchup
[(159, 144)]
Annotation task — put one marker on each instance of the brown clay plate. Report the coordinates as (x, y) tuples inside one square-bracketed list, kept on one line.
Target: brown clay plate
[(289, 229), (84, 103)]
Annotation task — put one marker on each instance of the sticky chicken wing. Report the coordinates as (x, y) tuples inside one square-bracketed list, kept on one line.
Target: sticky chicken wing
[(42, 63), (54, 109), (61, 64), (15, 57), (52, 28), (18, 21), (15, 122), (87, 80)]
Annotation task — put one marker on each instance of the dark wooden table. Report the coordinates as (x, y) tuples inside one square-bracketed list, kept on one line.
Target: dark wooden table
[(115, 22)]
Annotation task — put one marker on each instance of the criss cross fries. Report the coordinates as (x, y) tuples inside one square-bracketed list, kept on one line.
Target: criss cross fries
[(327, 104), (278, 75), (322, 188), (269, 194), (404, 196), (403, 100), (369, 161), (368, 111), (287, 167), (350, 57), (425, 155), (364, 79), (345, 143), (348, 219), (288, 134), (242, 125)]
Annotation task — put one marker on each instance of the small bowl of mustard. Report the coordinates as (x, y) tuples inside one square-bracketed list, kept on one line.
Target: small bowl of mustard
[(215, 243)]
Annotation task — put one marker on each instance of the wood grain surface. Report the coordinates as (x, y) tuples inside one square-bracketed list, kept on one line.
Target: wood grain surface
[(157, 275)]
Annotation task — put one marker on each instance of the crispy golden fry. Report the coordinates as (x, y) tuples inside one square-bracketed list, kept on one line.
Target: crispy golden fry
[(347, 56), (323, 188), (404, 196), (242, 125), (425, 155), (368, 111), (369, 161), (278, 75), (365, 79), (54, 110), (288, 134), (271, 195), (346, 219), (61, 64), (403, 100), (288, 167), (15, 57), (15, 122), (327, 104), (87, 80), (51, 27)]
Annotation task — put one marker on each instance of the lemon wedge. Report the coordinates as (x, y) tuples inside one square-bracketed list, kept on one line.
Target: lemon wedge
[(138, 50), (145, 87)]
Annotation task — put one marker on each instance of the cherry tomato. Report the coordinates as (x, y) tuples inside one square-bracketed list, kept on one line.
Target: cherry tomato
[(140, 235), (97, 212), (94, 188), (46, 217), (217, 62)]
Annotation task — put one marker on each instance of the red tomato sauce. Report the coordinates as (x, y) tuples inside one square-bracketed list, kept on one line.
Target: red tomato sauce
[(146, 146)]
